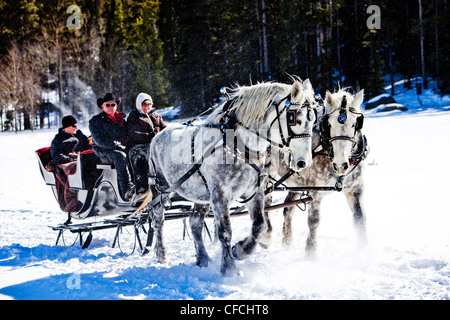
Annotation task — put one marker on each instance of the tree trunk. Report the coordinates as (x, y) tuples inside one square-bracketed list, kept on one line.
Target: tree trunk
[(264, 39), (436, 38), (422, 55)]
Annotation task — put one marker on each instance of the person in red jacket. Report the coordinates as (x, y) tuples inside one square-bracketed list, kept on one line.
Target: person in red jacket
[(143, 124), (109, 137)]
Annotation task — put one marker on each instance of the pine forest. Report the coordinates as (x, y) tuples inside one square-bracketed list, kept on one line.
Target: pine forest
[(60, 56)]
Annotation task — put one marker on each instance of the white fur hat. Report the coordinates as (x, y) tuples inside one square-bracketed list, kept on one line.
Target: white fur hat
[(140, 99)]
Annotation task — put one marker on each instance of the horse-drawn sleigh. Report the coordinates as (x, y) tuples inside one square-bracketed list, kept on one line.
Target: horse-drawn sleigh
[(201, 171)]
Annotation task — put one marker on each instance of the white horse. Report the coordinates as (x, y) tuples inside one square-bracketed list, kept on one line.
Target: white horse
[(223, 161), (339, 149)]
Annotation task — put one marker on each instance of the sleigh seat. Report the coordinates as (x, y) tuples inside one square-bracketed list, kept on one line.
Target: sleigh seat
[(86, 173), (83, 178)]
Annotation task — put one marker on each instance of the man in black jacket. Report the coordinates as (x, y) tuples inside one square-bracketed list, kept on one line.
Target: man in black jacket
[(69, 142), (66, 146), (109, 136)]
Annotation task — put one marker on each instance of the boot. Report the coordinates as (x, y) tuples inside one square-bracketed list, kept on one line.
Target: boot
[(129, 193)]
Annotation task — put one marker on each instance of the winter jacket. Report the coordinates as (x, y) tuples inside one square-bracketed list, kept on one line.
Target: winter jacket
[(64, 143), (107, 135), (143, 127)]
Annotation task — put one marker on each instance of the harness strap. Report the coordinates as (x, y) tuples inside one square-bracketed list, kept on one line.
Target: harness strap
[(203, 178), (341, 138), (190, 172), (359, 156), (321, 152), (283, 140), (192, 148), (278, 182), (183, 178)]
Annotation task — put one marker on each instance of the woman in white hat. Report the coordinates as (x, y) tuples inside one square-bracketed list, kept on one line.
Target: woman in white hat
[(143, 124)]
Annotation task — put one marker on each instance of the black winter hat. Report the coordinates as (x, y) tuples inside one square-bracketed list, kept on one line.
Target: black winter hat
[(108, 97), (68, 121)]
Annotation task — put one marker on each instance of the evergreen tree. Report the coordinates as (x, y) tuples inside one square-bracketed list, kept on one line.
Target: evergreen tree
[(147, 70), (182, 52)]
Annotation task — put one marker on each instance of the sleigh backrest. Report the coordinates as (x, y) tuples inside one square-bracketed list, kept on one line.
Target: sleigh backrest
[(44, 157), (85, 175)]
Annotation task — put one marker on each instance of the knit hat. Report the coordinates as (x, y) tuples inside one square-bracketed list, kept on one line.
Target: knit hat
[(108, 97), (68, 121)]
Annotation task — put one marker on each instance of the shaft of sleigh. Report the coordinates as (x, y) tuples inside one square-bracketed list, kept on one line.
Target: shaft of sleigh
[(278, 206)]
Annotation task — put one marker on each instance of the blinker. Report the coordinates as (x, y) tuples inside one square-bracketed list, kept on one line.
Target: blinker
[(292, 117), (310, 114)]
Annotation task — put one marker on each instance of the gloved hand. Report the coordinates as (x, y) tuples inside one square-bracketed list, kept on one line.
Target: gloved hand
[(119, 146)]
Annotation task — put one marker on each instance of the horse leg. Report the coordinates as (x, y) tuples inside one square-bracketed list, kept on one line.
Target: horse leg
[(354, 200), (158, 218), (287, 223), (196, 221), (245, 247), (222, 220), (267, 237), (313, 224)]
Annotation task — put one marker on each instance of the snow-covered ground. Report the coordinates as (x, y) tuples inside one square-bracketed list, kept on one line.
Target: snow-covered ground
[(408, 220)]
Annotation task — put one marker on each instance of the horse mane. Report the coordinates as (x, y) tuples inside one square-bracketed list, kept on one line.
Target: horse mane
[(250, 103)]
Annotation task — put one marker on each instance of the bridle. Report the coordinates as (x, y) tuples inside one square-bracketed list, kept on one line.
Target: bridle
[(325, 147), (326, 139), (291, 119), (229, 121)]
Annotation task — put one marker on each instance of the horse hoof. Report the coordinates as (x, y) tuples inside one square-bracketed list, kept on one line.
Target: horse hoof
[(162, 259), (203, 263), (286, 242), (263, 245), (229, 271)]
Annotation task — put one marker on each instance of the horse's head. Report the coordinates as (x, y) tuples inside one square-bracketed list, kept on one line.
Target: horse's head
[(340, 125), (282, 114), (297, 115)]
